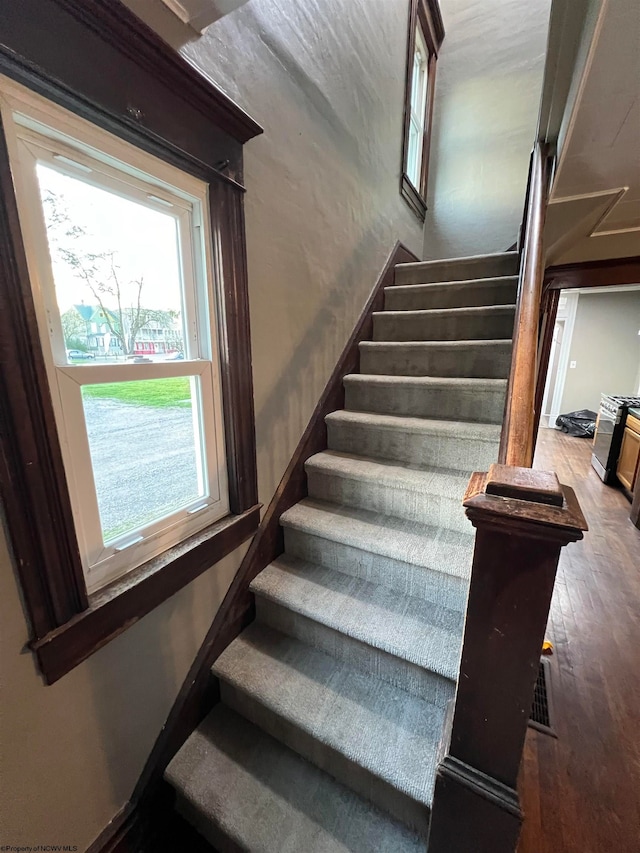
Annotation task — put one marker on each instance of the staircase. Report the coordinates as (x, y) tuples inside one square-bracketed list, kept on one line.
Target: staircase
[(333, 701)]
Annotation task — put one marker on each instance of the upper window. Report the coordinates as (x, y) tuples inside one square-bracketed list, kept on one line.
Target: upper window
[(423, 42), (417, 108), (120, 269)]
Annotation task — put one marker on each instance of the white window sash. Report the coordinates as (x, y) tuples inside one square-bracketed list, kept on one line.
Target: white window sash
[(105, 562), (417, 108)]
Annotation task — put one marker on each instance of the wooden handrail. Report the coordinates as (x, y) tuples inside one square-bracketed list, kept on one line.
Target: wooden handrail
[(517, 439)]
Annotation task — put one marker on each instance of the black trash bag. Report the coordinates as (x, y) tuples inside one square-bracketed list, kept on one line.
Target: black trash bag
[(582, 424)]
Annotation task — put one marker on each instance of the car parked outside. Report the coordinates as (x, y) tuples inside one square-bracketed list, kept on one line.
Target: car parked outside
[(78, 353)]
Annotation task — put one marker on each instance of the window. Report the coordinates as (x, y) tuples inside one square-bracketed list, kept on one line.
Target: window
[(127, 440), (425, 36), (417, 108), (116, 243)]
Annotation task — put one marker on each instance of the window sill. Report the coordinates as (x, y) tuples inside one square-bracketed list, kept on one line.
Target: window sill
[(413, 198), (116, 607)]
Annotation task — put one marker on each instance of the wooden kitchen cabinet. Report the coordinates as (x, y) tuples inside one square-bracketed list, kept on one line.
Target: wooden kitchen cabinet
[(629, 459)]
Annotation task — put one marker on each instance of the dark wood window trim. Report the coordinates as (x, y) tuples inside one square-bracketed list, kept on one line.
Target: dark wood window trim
[(126, 80), (427, 14)]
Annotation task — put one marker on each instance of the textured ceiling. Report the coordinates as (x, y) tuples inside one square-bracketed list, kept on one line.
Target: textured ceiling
[(596, 199)]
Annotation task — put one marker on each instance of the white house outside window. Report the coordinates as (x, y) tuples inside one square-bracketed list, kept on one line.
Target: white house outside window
[(121, 273)]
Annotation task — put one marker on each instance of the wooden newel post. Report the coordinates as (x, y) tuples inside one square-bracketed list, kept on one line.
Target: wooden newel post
[(523, 518)]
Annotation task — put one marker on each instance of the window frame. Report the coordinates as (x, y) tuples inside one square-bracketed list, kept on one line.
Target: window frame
[(40, 132), (169, 110), (425, 15)]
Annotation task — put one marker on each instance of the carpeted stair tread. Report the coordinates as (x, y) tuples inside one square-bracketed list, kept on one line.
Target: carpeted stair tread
[(458, 269), (443, 313), (365, 732), (361, 654), (445, 324), (402, 625), (500, 290), (476, 400), (407, 541), (421, 442), (432, 479), (428, 495), (484, 359), (242, 789), (465, 430)]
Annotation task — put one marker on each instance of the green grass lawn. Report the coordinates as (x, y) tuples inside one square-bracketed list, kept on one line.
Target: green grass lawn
[(157, 393)]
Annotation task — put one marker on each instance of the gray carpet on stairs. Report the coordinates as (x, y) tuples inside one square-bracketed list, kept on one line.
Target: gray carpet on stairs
[(241, 788), (403, 555), (472, 359), (463, 294), (366, 733), (479, 400), (458, 269), (333, 700), (429, 496), (445, 324), (419, 442), (404, 639)]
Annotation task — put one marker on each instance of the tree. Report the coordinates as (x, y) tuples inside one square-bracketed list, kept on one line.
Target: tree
[(101, 274), (124, 321), (74, 329)]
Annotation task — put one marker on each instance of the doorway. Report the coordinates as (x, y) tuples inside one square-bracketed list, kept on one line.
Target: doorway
[(559, 357)]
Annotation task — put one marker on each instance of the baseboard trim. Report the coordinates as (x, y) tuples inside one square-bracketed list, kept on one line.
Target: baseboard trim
[(481, 784), (152, 827), (472, 812), (199, 691)]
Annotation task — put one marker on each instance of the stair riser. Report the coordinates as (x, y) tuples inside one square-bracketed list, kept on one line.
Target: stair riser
[(457, 269), (437, 586), (413, 448), (425, 508), (415, 297), (481, 362), (481, 406), (443, 327), (360, 780), (369, 660)]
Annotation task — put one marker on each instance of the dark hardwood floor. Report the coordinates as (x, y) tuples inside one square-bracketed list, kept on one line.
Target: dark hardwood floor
[(581, 792)]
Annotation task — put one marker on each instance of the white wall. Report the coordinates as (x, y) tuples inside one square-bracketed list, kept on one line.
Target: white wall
[(326, 80), (72, 752), (489, 79), (323, 210)]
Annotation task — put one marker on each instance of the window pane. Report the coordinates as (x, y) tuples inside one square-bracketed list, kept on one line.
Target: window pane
[(414, 154), (117, 272), (144, 439), (419, 84)]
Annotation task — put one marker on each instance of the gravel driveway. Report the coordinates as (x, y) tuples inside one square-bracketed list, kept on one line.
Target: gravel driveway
[(144, 461)]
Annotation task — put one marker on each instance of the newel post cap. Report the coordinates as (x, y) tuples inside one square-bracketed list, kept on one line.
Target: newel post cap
[(525, 502)]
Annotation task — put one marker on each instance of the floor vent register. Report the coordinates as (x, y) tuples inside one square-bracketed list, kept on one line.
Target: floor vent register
[(541, 717)]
